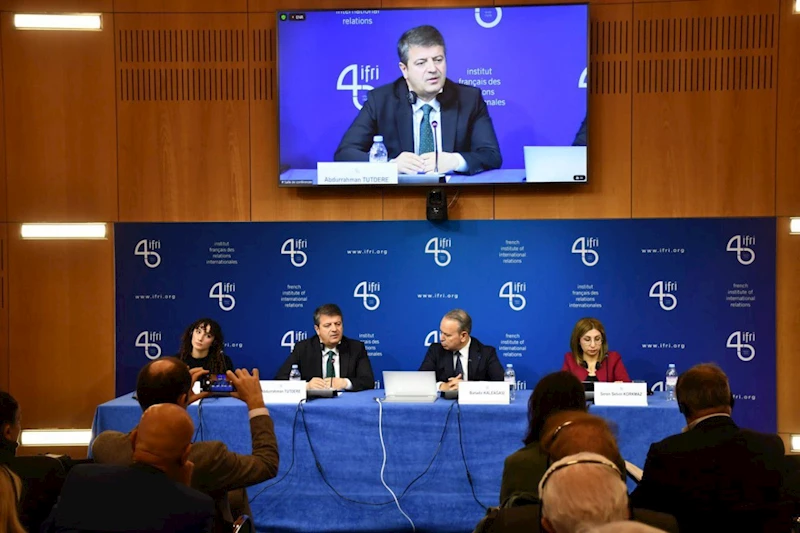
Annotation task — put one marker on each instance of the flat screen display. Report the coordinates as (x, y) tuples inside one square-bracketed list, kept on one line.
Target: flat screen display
[(450, 96)]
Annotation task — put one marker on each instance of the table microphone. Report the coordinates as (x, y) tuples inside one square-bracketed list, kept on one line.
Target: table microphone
[(434, 124)]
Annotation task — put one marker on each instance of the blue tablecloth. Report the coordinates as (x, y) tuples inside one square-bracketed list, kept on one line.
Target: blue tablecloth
[(344, 435)]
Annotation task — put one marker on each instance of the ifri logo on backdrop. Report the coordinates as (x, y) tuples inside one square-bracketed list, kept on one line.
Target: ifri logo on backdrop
[(741, 245), (585, 246), (663, 290), (513, 291), (222, 292), (148, 340), (294, 249), (291, 337), (438, 246), (367, 291), (147, 249), (360, 76), (741, 341), (432, 338)]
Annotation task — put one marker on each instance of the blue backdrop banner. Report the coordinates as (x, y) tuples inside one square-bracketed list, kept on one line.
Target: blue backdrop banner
[(677, 291)]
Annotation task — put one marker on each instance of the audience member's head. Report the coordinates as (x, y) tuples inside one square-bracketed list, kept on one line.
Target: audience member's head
[(703, 390), (163, 439), (559, 391), (570, 432), (10, 427), (165, 380), (10, 491), (582, 491), (626, 526)]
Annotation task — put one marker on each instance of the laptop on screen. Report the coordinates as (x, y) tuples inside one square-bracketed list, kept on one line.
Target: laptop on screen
[(409, 386), (559, 164), (588, 390)]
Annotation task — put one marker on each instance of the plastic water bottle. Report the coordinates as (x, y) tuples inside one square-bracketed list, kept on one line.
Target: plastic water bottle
[(511, 379), (294, 374), (378, 153), (670, 381)]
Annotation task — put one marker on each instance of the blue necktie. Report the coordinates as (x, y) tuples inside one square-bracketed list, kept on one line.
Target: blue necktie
[(425, 131), (330, 372), (459, 368)]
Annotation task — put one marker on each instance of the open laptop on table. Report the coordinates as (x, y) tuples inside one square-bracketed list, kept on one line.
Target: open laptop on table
[(417, 387), (549, 164), (588, 390)]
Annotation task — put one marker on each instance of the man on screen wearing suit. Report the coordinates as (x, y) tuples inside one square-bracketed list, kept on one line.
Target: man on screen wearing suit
[(329, 360), (423, 111), (460, 357), (713, 471)]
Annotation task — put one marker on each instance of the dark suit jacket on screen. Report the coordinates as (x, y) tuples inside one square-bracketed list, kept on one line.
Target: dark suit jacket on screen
[(353, 362), (129, 498), (466, 126), (709, 471), (483, 363)]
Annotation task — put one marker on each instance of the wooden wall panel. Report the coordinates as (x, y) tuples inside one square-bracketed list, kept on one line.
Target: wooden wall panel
[(61, 328), (4, 362), (62, 6), (787, 184), (60, 124), (294, 5), (704, 108), (271, 202), (182, 91), (608, 191), (788, 317), (180, 6), (3, 188)]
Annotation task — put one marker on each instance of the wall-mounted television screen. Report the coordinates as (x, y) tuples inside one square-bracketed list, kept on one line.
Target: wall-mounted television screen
[(433, 96)]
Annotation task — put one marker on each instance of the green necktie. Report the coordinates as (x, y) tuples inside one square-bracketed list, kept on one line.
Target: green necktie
[(330, 372), (425, 131)]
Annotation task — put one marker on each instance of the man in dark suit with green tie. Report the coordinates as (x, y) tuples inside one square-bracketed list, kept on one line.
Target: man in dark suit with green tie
[(329, 360)]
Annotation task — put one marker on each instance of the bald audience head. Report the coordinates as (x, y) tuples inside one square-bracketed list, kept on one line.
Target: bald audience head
[(570, 432), (163, 439), (165, 380)]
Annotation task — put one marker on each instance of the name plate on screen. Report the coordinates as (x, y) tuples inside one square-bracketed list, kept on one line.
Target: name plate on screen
[(354, 173), (283, 391), (621, 394), (483, 393)]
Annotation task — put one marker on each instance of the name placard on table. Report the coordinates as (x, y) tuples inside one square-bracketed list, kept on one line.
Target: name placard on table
[(483, 393), (283, 391), (349, 173), (620, 394)]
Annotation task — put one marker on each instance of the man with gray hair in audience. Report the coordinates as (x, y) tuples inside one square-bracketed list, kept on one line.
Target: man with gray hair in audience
[(628, 526), (580, 492)]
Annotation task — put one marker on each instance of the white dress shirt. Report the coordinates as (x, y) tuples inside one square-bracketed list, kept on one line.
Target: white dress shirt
[(418, 114), (336, 369)]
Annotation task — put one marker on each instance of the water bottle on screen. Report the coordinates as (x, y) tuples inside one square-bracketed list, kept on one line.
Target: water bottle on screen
[(378, 153), (670, 381), (294, 374), (511, 379)]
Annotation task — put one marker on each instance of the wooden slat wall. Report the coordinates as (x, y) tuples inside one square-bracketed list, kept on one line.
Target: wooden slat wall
[(704, 108), (169, 114), (788, 144), (182, 107)]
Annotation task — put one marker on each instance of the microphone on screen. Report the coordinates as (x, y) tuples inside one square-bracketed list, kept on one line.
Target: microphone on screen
[(434, 125)]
